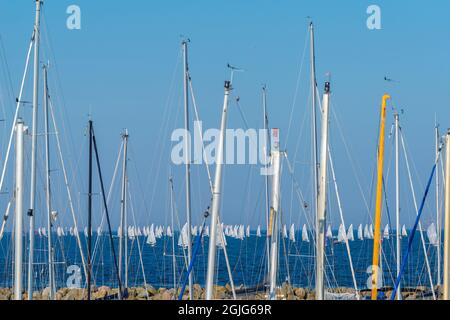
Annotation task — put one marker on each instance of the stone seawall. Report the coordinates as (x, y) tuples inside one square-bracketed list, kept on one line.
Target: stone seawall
[(285, 292)]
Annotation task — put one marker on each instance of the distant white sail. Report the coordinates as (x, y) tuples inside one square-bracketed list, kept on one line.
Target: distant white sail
[(194, 230), (432, 235), (292, 233), (366, 232), (386, 232), (85, 232), (350, 235), (221, 240), (247, 232), (360, 232), (151, 239), (71, 231), (404, 233), (341, 233), (99, 231), (169, 232), (329, 233), (39, 232), (371, 231), (305, 236), (285, 235), (184, 236), (258, 232), (241, 232)]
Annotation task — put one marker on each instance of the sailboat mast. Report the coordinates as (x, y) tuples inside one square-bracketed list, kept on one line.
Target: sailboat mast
[(319, 261), (273, 230), (397, 203), (266, 146), (217, 197), (51, 280), (438, 224), (31, 212), (378, 204), (322, 197), (174, 260), (187, 160), (123, 240), (18, 226), (89, 273), (446, 284)]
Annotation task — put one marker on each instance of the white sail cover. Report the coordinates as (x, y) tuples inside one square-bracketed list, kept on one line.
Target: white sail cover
[(404, 233), (292, 233), (386, 232), (360, 232), (258, 232), (285, 234), (329, 233), (305, 236), (341, 233), (350, 235), (432, 235)]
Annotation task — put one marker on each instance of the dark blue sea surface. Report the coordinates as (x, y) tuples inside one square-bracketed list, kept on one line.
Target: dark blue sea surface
[(248, 261)]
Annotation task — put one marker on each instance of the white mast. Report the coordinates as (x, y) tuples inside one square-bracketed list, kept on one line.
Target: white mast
[(123, 240), (31, 212), (174, 261), (187, 161), (397, 203), (274, 212), (446, 284), (322, 198), (18, 234), (266, 146), (216, 197), (51, 280), (438, 224)]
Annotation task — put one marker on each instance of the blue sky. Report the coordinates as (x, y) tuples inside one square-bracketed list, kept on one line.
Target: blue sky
[(120, 68)]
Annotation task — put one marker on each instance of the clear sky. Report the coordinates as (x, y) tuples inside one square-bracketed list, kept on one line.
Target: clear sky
[(124, 67)]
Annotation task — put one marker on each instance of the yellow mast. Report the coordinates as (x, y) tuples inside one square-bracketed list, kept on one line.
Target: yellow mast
[(377, 235)]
